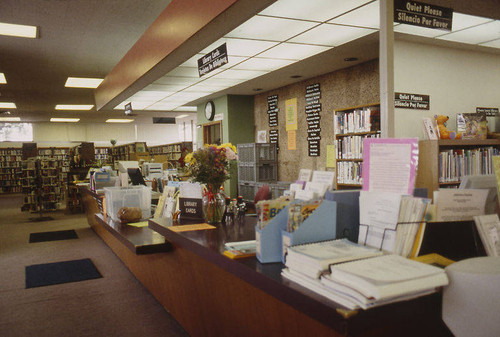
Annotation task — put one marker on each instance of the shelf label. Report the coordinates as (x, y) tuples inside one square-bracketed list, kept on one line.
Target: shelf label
[(213, 60), (412, 101), (423, 15)]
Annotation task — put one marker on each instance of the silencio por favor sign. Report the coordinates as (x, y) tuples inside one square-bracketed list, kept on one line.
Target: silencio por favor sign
[(213, 60), (423, 15), (412, 101)]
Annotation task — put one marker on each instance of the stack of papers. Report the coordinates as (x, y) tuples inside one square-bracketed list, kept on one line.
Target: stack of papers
[(381, 280)]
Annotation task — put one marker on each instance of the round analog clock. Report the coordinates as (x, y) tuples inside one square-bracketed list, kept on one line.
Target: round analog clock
[(210, 110)]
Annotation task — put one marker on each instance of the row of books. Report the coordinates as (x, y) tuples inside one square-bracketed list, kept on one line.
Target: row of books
[(456, 163), (349, 172), (351, 147), (356, 276), (360, 120)]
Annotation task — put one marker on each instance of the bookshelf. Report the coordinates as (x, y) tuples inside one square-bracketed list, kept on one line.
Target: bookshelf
[(62, 158), (171, 152), (103, 154), (443, 162), (352, 125), (10, 169), (128, 151)]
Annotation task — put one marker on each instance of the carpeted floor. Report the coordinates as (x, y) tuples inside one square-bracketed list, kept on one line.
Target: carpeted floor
[(114, 305)]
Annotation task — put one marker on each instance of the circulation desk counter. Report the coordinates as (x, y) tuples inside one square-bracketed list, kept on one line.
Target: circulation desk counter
[(212, 295)]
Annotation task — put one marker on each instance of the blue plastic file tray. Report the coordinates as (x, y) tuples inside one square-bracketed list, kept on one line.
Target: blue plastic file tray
[(321, 225), (268, 239)]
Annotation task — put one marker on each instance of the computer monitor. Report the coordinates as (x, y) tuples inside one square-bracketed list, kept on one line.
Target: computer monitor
[(484, 181), (123, 165), (135, 176)]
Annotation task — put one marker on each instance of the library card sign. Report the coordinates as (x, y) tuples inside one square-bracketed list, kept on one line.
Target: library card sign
[(412, 101), (190, 208), (213, 60), (423, 15), (488, 111)]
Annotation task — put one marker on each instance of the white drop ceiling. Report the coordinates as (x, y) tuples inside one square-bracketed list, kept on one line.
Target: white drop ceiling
[(290, 37), (287, 32)]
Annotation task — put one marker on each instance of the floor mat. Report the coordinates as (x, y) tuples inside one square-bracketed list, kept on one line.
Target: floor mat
[(53, 236), (40, 275)]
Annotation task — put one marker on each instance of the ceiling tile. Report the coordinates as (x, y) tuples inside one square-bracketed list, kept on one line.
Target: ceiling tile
[(271, 29), (136, 105), (263, 64), (175, 82), (293, 51), (367, 16), (316, 10), (221, 82), (193, 61), (240, 74), (332, 35), (477, 34), (420, 31), (494, 44), (184, 72), (462, 21), (240, 47)]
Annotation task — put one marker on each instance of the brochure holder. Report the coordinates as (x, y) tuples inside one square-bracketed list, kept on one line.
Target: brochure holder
[(321, 225), (268, 239)]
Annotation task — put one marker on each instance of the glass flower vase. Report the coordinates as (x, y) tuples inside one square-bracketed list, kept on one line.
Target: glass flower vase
[(213, 205)]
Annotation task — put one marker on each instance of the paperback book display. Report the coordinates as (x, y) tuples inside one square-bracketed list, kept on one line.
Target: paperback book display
[(454, 164), (488, 227)]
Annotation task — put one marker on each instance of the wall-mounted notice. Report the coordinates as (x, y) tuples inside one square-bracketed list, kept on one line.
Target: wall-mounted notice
[(423, 15), (274, 138), (292, 140), (412, 101), (291, 114), (488, 111), (313, 118), (262, 136), (213, 60), (272, 110)]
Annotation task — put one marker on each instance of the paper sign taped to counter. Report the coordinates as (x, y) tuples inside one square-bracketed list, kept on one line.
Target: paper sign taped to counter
[(460, 204)]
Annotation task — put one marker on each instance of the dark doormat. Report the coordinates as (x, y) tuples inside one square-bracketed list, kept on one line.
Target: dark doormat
[(53, 236), (39, 275)]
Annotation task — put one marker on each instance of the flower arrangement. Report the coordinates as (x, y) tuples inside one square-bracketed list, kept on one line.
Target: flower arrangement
[(209, 165)]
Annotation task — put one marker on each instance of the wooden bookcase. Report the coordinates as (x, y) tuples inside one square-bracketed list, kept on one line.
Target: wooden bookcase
[(171, 153), (431, 172), (351, 126), (10, 170), (128, 151), (103, 154), (62, 157)]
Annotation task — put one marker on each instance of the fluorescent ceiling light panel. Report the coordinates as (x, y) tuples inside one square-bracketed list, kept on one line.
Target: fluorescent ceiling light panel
[(10, 119), (270, 29), (184, 72), (114, 120), (494, 44), (136, 105), (74, 106), (462, 21), (83, 82), (241, 47), (65, 120), (181, 116), (420, 31), (7, 105), (477, 34), (332, 35), (18, 30), (316, 10), (293, 51), (186, 108), (3, 80), (263, 64), (367, 16)]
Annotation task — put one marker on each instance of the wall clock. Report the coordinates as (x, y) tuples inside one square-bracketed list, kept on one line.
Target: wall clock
[(210, 110)]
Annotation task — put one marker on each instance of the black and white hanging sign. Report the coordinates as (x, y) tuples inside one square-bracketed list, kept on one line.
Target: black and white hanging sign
[(411, 101), (213, 60), (488, 111), (423, 15), (313, 118), (272, 110), (273, 138)]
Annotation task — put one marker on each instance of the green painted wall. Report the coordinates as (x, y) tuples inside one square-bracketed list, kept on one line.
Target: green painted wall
[(238, 127)]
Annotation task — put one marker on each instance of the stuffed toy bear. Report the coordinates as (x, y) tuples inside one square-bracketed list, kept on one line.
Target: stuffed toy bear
[(444, 133)]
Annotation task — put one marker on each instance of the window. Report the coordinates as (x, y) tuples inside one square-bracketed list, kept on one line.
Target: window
[(16, 132)]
